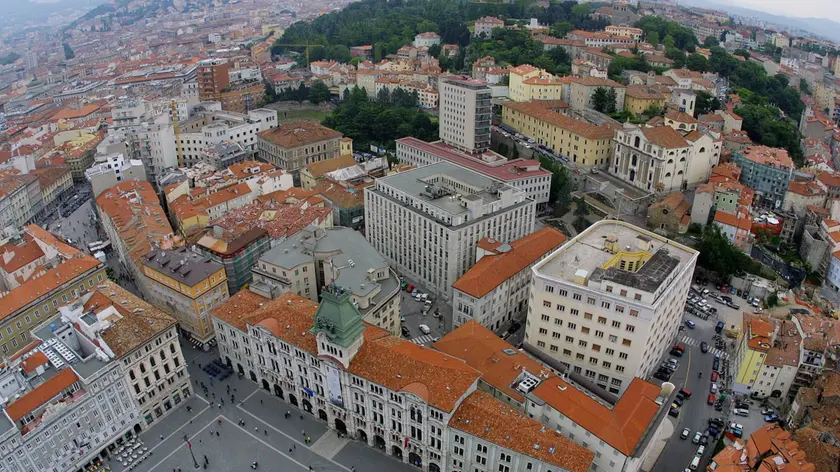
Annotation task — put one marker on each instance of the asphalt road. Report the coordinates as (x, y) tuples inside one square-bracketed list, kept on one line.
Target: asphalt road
[(694, 413)]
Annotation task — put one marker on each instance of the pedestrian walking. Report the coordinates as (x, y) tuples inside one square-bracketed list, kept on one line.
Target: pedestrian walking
[(265, 431), (161, 437), (256, 430), (217, 433)]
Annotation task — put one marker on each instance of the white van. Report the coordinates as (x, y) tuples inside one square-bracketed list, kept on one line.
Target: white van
[(694, 463)]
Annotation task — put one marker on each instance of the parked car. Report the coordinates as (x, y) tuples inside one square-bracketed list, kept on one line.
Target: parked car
[(674, 412), (767, 411), (716, 364), (741, 412), (685, 393), (663, 376), (716, 422), (711, 399), (719, 326), (405, 332), (771, 418), (700, 451), (713, 388), (704, 347), (685, 433), (424, 329), (697, 437), (676, 353), (715, 376), (704, 439), (678, 401), (690, 324)]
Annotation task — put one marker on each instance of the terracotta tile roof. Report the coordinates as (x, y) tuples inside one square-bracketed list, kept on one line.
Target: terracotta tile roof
[(492, 270), (339, 196), (484, 351), (14, 256), (830, 179), (539, 111), (485, 417), (42, 284), (808, 189), (785, 350), (272, 213), (680, 117), (664, 136), (643, 92), (77, 113), (135, 210), (711, 117), (41, 394), (318, 169), (387, 360), (293, 134), (740, 221), (775, 157), (245, 169), (34, 361), (48, 176), (140, 323), (590, 81), (523, 69)]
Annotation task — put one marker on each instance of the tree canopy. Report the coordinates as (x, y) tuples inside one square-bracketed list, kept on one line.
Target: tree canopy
[(680, 37), (372, 122), (721, 256)]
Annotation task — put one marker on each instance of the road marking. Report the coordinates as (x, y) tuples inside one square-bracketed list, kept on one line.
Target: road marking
[(179, 447), (423, 339), (284, 434), (302, 466)]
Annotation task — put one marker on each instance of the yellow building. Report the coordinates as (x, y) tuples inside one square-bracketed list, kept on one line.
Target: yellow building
[(188, 287), (754, 346), (345, 146), (638, 98), (529, 83), (583, 143), (824, 97)]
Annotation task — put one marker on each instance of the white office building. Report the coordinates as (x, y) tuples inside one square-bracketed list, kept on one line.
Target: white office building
[(465, 113), (426, 221), (608, 303)]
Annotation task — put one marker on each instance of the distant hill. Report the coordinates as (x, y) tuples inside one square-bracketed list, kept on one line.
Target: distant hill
[(824, 27), (21, 12)]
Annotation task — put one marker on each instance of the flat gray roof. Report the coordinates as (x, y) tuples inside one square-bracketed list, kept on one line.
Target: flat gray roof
[(343, 245), (84, 368), (182, 265), (414, 183), (586, 252)]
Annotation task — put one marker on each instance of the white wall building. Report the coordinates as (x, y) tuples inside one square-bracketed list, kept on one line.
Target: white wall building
[(108, 170), (494, 292), (524, 174), (607, 304), (465, 113), (425, 221)]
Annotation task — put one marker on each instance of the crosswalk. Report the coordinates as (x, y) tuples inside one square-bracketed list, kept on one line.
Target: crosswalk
[(425, 339), (694, 342)]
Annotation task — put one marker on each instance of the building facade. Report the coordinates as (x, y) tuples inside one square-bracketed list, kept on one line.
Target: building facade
[(316, 257), (293, 145), (188, 287), (608, 303), (766, 170), (236, 251), (494, 292), (425, 221), (465, 113)]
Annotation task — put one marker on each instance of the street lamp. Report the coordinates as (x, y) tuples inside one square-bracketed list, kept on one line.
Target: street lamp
[(195, 462)]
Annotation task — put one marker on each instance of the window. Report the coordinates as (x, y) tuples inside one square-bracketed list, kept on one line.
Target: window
[(543, 331), (579, 356), (590, 301), (613, 338), (637, 296), (616, 324), (596, 347), (584, 330), (634, 313), (609, 351), (576, 296), (623, 293), (626, 342), (587, 316), (547, 303), (582, 343), (570, 339), (599, 334), (605, 305), (619, 368), (622, 355), (571, 326), (574, 311), (619, 309), (630, 328), (544, 317)]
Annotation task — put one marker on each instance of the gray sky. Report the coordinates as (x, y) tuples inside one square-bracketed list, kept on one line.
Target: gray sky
[(801, 8)]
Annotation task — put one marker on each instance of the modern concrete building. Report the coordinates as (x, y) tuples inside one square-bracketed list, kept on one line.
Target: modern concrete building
[(293, 145), (187, 286), (415, 404), (525, 174), (425, 221), (608, 303), (766, 170), (107, 171), (494, 292), (316, 257), (236, 251), (212, 75), (465, 113)]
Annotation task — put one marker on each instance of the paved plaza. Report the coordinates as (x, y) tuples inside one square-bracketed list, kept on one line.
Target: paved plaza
[(275, 442)]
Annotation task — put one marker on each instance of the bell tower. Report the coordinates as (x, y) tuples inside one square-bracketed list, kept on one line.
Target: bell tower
[(338, 325)]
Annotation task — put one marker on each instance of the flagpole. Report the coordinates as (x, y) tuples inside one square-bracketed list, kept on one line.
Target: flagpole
[(195, 462)]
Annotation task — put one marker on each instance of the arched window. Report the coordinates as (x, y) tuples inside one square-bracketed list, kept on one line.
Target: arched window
[(637, 142), (668, 174), (670, 161), (635, 159), (680, 173), (682, 159), (702, 149)]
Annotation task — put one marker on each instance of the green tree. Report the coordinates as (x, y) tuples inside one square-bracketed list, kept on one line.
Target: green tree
[(581, 212), (434, 50), (383, 96), (803, 87), (721, 256), (669, 42), (9, 58), (653, 38), (603, 100), (302, 93), (319, 92), (741, 52), (68, 51), (561, 28), (706, 103), (653, 110), (696, 62), (677, 55), (711, 41)]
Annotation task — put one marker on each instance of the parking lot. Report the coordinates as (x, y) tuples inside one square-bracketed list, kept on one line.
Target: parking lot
[(694, 372), (437, 316)]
